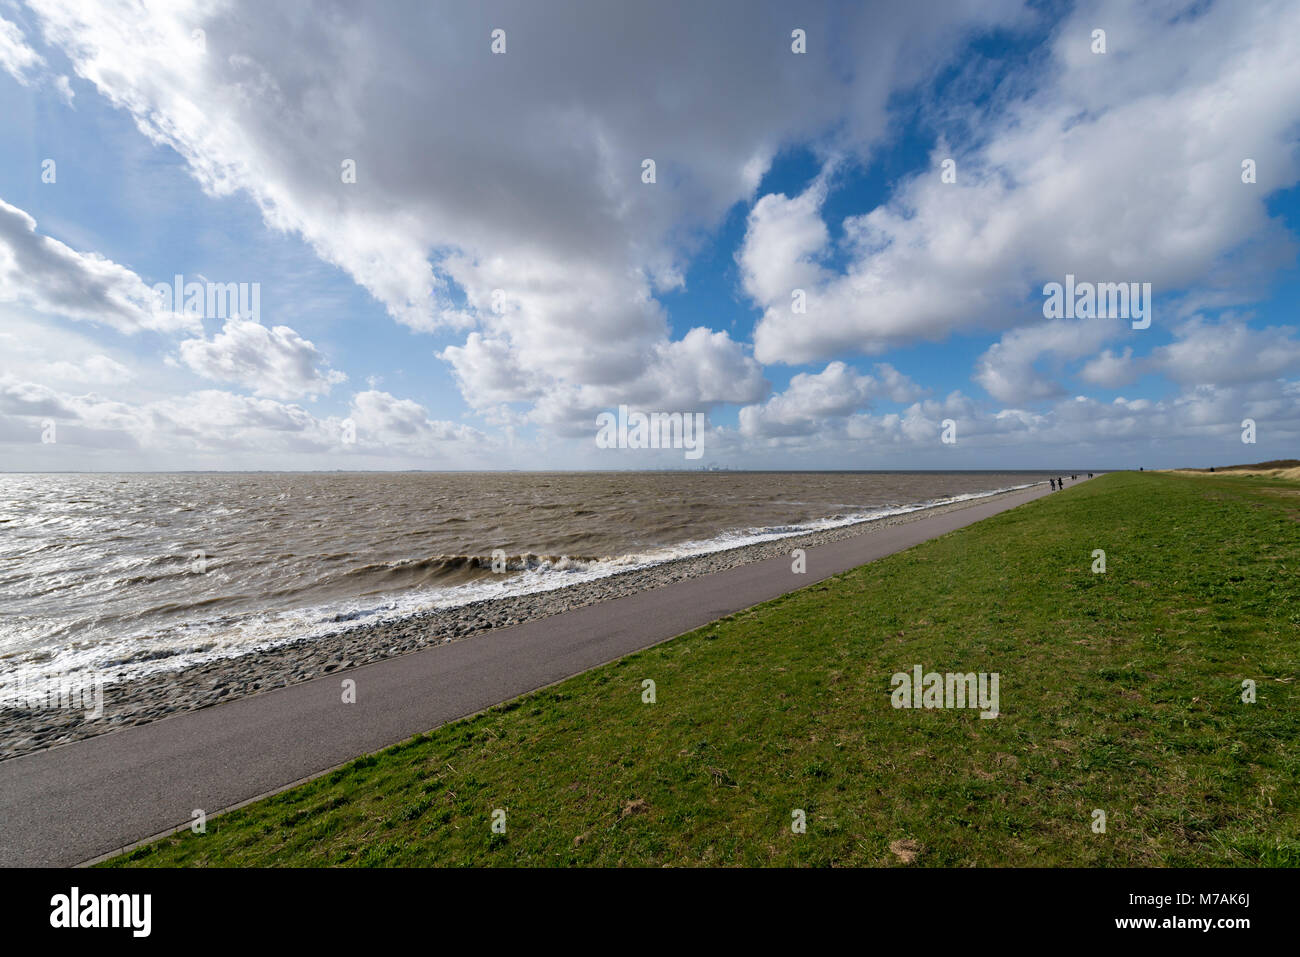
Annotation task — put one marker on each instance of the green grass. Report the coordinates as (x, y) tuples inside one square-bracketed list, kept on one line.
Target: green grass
[(1119, 691)]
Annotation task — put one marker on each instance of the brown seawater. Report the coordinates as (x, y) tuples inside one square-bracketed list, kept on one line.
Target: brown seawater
[(139, 572)]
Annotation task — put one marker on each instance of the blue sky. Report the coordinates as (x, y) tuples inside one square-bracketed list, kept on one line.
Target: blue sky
[(216, 155)]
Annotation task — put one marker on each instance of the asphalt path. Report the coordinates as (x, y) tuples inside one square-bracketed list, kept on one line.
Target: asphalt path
[(74, 803)]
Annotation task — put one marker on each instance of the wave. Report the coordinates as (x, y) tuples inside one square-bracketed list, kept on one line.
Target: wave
[(444, 569), (393, 591)]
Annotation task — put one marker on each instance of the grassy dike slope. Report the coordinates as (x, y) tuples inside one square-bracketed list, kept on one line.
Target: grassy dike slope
[(1119, 691)]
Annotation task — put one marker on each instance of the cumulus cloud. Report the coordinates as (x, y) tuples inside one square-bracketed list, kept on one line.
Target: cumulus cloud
[(489, 372), (1201, 423), (835, 391), (527, 233), (538, 193), (785, 237), (1204, 353), (237, 428), (17, 58), (1121, 167), (695, 373), (703, 368), (30, 398), (895, 386), (1226, 353), (811, 399), (1007, 371), (46, 275), (274, 362), (1110, 370), (98, 369), (382, 419)]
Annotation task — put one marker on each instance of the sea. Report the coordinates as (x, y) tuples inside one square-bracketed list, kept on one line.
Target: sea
[(140, 572)]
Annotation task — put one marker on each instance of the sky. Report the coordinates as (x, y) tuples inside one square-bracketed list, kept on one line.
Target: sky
[(456, 256)]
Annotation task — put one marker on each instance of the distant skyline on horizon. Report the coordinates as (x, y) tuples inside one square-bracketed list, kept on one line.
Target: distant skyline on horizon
[(459, 234)]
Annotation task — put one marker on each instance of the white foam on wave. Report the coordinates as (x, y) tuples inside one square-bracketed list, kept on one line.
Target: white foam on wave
[(138, 655)]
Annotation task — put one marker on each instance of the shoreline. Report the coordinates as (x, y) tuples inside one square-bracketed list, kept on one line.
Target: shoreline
[(145, 699)]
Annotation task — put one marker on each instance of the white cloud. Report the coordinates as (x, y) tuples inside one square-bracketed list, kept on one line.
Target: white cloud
[(235, 429), (695, 373), (43, 273), (1110, 371), (895, 386), (527, 227), (1006, 370), (489, 372), (702, 368), (811, 399), (1199, 425), (784, 239), (98, 369), (538, 192), (64, 87), (30, 398), (1122, 167), (17, 58), (271, 362), (385, 421), (1226, 353)]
